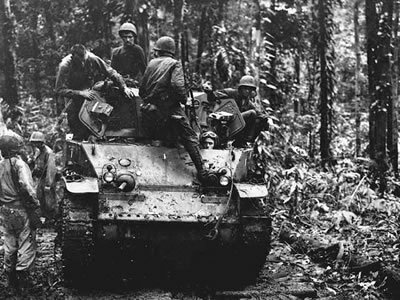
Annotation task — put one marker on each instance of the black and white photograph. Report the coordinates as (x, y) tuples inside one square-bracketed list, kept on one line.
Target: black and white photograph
[(199, 149)]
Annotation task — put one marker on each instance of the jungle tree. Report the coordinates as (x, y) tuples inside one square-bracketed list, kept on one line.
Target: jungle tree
[(327, 73), (379, 29), (8, 65)]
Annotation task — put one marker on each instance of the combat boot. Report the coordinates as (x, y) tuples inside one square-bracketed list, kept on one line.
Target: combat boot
[(202, 175)]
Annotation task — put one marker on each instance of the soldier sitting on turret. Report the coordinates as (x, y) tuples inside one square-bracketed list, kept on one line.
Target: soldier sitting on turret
[(243, 96), (163, 91)]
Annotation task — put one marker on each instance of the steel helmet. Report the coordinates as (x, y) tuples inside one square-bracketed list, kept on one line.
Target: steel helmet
[(37, 136), (10, 144), (247, 80), (127, 27), (165, 44)]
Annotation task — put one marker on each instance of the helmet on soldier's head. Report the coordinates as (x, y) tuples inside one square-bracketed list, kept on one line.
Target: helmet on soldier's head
[(37, 136), (248, 81), (127, 27), (10, 144), (165, 44), (209, 140)]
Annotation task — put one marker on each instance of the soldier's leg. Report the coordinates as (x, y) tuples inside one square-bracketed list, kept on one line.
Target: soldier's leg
[(249, 117), (191, 144), (10, 248), (26, 254), (27, 248)]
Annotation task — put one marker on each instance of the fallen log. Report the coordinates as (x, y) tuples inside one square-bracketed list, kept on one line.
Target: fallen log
[(321, 253)]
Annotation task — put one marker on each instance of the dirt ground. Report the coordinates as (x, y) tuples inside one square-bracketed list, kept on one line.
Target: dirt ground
[(285, 276)]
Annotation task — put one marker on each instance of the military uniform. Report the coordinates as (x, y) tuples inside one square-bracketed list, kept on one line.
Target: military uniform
[(163, 86), (45, 171), (247, 110), (19, 236), (72, 78), (129, 61)]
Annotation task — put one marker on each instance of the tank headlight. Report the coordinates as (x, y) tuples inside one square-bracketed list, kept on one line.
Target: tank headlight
[(224, 180), (225, 171), (108, 177)]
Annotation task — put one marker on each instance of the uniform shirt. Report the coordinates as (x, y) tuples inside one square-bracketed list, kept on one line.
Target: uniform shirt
[(129, 61), (163, 83), (72, 78), (45, 166), (8, 190), (76, 77)]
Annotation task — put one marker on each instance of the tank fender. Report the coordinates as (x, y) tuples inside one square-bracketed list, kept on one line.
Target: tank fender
[(247, 190), (83, 186)]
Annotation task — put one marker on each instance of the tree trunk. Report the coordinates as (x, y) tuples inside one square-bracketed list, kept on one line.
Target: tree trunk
[(395, 89), (385, 65), (357, 77), (372, 28), (297, 59), (10, 93), (36, 51), (324, 131), (272, 73), (258, 39), (200, 44), (178, 25)]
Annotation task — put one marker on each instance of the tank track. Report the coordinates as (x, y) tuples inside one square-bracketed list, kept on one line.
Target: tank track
[(76, 238)]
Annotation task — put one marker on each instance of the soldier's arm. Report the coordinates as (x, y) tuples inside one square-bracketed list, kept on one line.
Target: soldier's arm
[(114, 60), (51, 169), (25, 179), (62, 88), (142, 60), (178, 83)]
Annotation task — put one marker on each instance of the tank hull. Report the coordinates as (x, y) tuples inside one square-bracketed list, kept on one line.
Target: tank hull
[(163, 230)]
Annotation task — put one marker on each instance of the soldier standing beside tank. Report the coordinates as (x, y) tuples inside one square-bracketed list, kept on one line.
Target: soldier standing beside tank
[(16, 191), (77, 73), (246, 91), (44, 171), (129, 59), (163, 91)]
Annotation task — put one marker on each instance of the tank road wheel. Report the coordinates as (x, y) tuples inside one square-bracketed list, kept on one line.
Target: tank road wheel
[(76, 238)]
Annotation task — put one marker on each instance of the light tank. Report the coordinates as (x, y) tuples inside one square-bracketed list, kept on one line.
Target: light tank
[(132, 208)]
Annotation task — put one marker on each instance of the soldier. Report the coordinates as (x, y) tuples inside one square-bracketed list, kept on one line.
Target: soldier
[(19, 229), (129, 59), (44, 171), (77, 73), (209, 140), (163, 92), (246, 91)]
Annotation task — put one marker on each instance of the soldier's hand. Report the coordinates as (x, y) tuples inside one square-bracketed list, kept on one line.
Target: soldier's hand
[(88, 95), (129, 93)]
